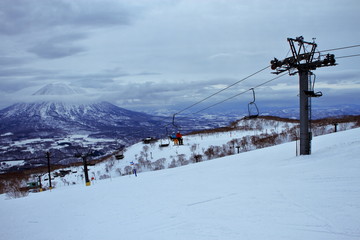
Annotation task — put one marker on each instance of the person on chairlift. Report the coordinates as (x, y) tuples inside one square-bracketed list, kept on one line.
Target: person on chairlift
[(174, 138), (179, 138)]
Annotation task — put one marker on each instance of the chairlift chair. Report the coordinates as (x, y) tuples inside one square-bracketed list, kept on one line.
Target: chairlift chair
[(163, 143), (311, 92), (173, 123), (253, 110), (120, 154), (177, 128)]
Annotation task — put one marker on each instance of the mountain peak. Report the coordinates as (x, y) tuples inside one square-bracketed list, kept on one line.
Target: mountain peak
[(56, 89)]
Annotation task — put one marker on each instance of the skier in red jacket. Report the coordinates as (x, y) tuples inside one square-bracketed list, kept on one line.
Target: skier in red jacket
[(179, 138)]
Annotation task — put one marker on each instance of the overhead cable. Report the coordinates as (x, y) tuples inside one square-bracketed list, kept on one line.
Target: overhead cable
[(354, 55), (340, 48), (222, 90), (227, 99)]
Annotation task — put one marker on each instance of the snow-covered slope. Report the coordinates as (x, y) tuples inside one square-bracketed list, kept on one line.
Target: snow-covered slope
[(263, 194), (247, 135)]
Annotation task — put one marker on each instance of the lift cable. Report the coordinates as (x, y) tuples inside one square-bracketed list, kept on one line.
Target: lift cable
[(221, 91), (334, 49), (340, 48), (227, 99), (354, 55)]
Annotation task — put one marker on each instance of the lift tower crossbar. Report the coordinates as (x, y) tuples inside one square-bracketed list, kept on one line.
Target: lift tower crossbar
[(303, 62)]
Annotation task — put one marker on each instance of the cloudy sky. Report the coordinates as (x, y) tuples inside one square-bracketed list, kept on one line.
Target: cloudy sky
[(168, 54)]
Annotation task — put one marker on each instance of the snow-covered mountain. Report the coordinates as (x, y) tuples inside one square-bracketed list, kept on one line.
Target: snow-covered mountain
[(59, 114), (57, 117), (61, 117)]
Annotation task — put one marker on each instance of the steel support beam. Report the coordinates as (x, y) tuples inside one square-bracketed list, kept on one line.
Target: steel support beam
[(305, 134)]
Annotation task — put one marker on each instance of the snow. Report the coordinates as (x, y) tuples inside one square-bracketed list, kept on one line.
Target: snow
[(84, 139), (6, 134), (6, 165), (263, 194)]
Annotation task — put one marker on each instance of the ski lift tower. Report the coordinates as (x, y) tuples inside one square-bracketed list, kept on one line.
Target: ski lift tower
[(303, 62)]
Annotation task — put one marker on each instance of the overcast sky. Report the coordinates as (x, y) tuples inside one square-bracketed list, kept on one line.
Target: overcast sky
[(163, 54)]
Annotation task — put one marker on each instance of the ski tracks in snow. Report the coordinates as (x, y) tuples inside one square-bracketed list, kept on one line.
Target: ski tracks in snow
[(210, 200), (320, 224)]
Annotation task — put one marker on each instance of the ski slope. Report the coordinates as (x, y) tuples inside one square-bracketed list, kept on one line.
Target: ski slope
[(263, 194)]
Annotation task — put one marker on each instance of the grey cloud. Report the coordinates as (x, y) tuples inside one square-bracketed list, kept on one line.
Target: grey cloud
[(147, 73), (58, 47), (94, 83), (339, 76), (12, 61), (13, 79), (161, 94), (19, 16), (54, 51), (23, 72), (14, 85), (100, 14), (178, 52), (104, 79), (100, 80)]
